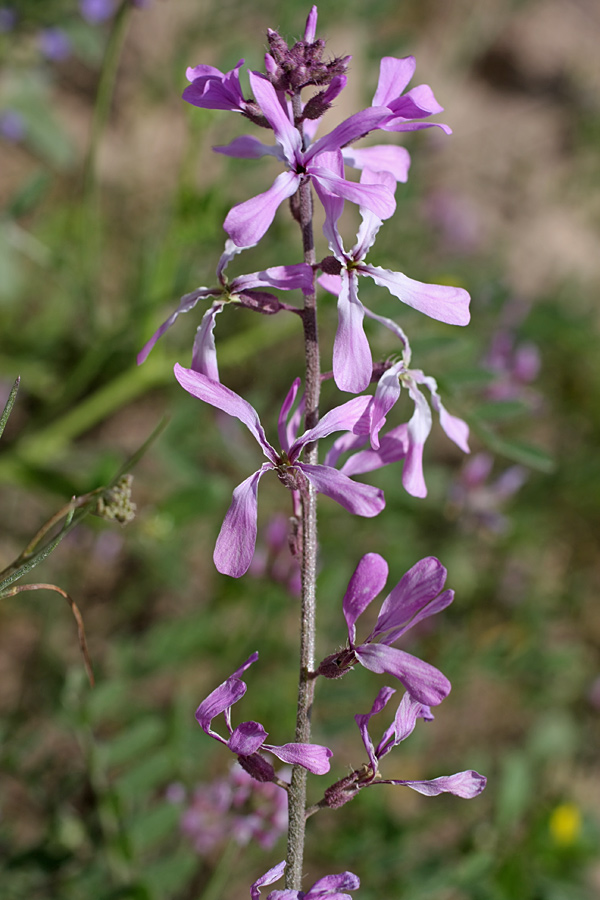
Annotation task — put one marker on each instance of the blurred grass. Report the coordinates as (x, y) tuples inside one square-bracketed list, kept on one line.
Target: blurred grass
[(86, 278)]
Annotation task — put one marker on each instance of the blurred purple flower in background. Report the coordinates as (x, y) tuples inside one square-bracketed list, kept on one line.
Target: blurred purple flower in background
[(8, 18), (54, 44), (95, 11), (236, 807), (12, 125), (479, 502), (456, 219), (515, 366)]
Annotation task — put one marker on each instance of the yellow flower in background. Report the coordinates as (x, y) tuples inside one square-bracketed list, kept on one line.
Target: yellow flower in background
[(565, 824)]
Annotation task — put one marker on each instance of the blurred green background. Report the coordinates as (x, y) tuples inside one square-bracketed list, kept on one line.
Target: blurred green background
[(112, 206)]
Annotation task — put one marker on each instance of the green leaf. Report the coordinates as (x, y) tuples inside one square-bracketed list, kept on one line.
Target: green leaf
[(149, 827), (133, 743), (9, 405), (148, 774), (500, 410)]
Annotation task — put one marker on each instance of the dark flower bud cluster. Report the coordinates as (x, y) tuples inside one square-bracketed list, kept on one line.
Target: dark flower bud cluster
[(301, 65)]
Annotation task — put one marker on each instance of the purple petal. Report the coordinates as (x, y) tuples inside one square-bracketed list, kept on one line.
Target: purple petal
[(375, 197), (330, 885), (370, 225), (286, 135), (313, 757), (424, 682), (464, 784), (368, 580), (204, 352), (332, 204), (311, 26), (283, 415), (283, 278), (247, 738), (352, 360), (381, 701), (442, 302), (386, 396), (421, 584), (435, 606), (246, 665), (218, 701), (413, 479), (394, 75), (380, 158), (331, 283), (341, 418), (403, 725), (187, 302), (399, 123), (212, 89), (456, 429), (247, 222), (223, 398), (237, 538), (395, 328), (248, 147), (269, 877), (393, 446), (342, 445), (351, 129), (359, 499)]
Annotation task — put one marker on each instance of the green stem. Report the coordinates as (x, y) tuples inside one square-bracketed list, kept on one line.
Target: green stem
[(306, 684)]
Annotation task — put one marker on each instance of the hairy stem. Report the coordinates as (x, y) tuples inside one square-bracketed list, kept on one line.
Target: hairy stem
[(297, 793)]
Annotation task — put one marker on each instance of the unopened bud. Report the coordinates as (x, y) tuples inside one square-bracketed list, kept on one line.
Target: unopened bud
[(337, 664), (258, 767)]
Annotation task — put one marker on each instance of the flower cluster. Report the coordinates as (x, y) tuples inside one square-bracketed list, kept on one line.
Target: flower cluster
[(362, 442), (237, 807)]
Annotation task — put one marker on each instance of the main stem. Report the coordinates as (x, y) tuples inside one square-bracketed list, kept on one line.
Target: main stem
[(297, 792)]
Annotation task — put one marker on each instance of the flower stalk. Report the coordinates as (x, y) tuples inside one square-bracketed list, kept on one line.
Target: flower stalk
[(308, 609)]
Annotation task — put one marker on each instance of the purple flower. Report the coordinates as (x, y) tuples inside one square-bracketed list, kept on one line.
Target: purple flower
[(415, 597), (8, 18), (241, 291), (54, 44), (418, 428), (249, 737), (235, 545), (331, 887), (464, 784), (352, 362), (237, 807), (95, 11), (515, 366), (12, 125), (247, 222), (418, 103), (479, 503), (212, 89)]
